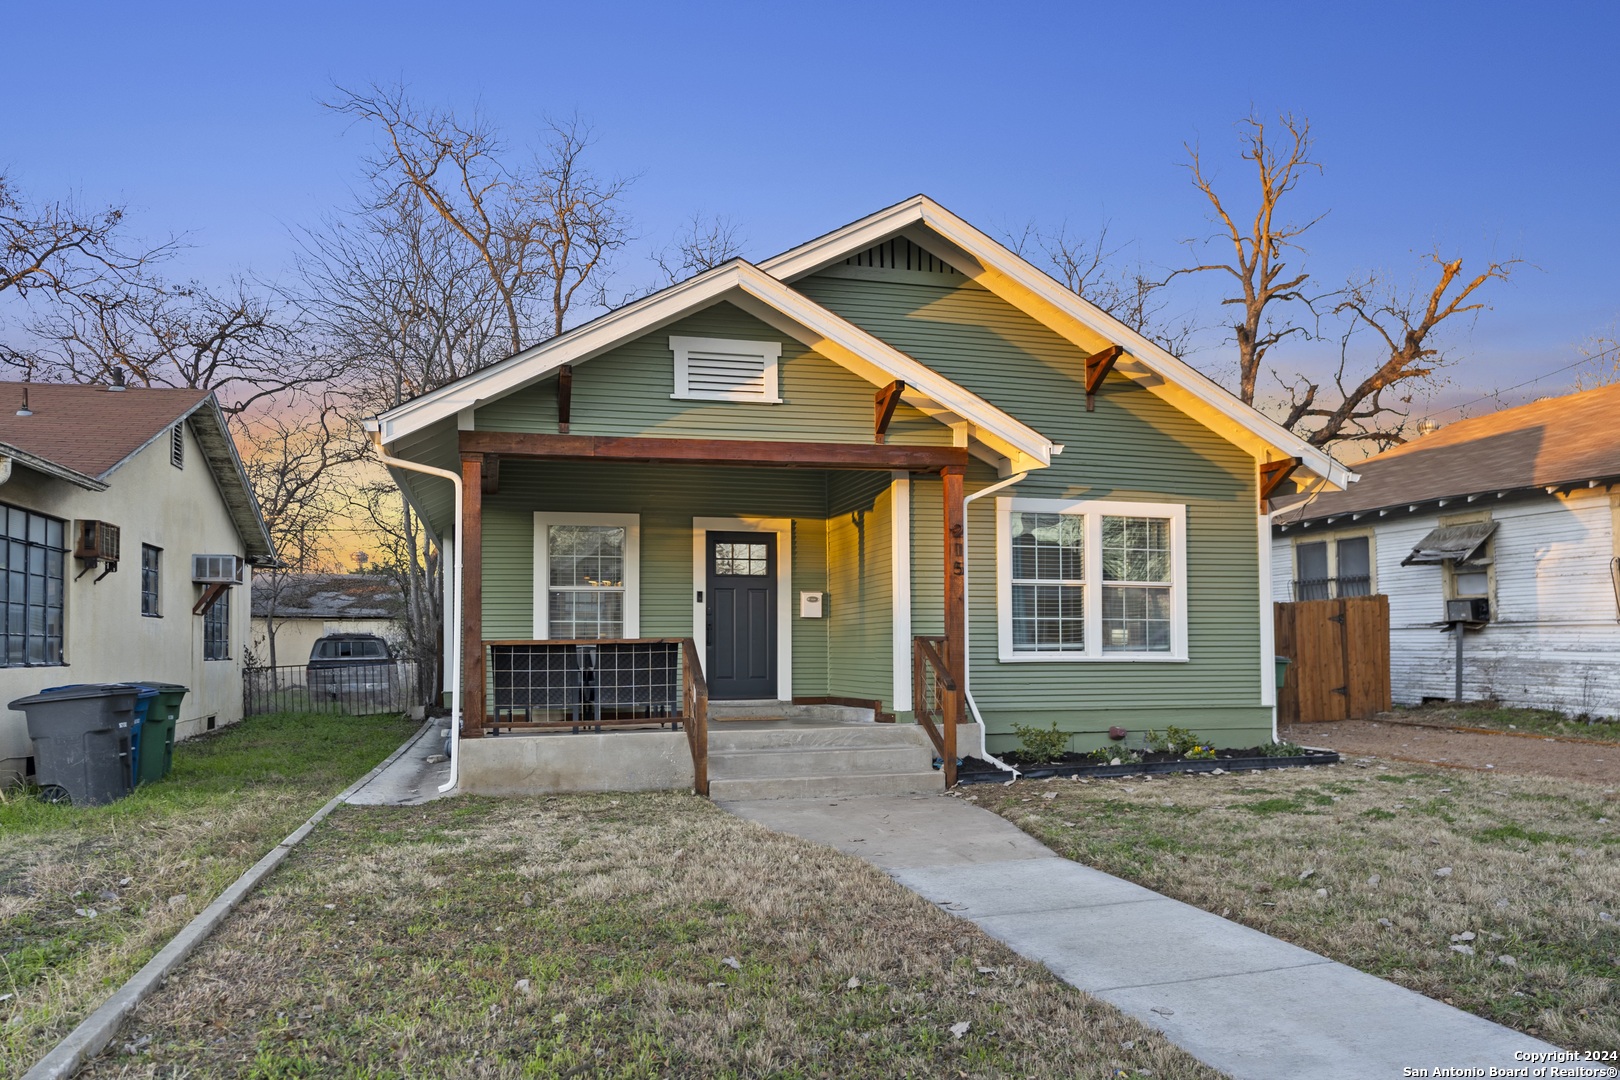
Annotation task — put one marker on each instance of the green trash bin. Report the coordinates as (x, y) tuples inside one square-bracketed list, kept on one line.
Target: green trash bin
[(157, 737), (1282, 671)]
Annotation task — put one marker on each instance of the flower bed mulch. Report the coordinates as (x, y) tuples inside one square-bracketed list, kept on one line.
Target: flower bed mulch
[(977, 771)]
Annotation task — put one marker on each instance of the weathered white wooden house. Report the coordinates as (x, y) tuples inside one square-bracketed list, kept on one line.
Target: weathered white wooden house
[(1508, 523)]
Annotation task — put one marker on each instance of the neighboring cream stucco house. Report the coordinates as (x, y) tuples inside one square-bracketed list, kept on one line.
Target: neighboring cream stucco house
[(160, 467)]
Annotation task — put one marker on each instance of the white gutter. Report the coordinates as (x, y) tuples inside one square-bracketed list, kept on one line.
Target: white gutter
[(967, 623), (454, 674)]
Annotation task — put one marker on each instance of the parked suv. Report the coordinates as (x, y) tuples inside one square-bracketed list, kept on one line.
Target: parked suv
[(352, 665)]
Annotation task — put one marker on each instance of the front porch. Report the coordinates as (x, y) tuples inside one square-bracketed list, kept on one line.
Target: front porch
[(688, 543)]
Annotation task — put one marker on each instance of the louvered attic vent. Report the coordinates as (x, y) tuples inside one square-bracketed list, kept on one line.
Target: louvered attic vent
[(723, 369)]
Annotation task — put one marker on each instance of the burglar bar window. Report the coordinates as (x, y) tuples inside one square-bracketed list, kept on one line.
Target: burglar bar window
[(33, 562)]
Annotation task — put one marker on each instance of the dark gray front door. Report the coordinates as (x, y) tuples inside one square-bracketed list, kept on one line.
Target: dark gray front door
[(741, 615)]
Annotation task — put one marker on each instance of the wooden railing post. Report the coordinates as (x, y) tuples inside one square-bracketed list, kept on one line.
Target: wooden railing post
[(955, 609), (695, 710), (471, 541)]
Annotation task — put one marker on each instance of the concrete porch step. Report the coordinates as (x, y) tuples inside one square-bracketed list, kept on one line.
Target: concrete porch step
[(724, 738), (779, 762), (766, 709), (928, 782)]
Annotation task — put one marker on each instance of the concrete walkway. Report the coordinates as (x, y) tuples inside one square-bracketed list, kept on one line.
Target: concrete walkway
[(412, 778), (1242, 1001)]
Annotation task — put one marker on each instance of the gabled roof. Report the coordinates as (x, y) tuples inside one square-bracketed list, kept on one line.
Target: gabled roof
[(327, 596), (930, 226), (82, 434), (1561, 442), (745, 285)]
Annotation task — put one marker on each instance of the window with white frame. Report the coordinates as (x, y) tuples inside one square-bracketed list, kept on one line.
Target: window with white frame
[(587, 576), (724, 369), (1090, 580)]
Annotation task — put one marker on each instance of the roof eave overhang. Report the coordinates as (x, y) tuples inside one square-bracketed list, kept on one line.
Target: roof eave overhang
[(209, 427), (1461, 500), (769, 300), (50, 468)]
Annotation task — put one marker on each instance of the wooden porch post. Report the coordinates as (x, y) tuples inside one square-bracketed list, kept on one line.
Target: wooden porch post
[(955, 610), (471, 541)]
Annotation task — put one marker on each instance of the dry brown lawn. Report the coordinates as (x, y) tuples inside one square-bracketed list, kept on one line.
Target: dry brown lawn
[(1498, 894), (89, 894), (630, 936)]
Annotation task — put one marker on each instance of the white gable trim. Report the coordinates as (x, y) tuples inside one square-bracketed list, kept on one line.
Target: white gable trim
[(758, 293), (1163, 373)]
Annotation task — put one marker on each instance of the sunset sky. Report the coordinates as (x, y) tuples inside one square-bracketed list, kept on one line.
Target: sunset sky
[(1487, 130)]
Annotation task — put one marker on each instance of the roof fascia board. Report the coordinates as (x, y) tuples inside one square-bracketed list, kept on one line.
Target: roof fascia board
[(840, 244), (762, 296), (51, 468)]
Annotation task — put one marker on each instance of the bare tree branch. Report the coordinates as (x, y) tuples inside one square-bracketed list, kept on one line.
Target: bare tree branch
[(702, 244)]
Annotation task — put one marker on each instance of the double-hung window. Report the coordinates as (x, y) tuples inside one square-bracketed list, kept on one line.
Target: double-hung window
[(587, 576), (1331, 568), (33, 565), (1090, 580)]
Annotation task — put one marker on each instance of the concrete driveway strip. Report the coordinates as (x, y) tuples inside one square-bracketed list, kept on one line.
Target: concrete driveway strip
[(1244, 1002)]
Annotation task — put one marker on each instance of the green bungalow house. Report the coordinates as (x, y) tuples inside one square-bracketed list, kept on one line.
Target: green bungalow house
[(894, 474)]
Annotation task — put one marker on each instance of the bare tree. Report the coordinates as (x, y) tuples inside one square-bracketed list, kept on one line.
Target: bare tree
[(1265, 282), (702, 244), (1090, 268), (1602, 367), (1405, 326), (63, 249), (295, 457), (542, 231), (415, 564), (240, 342)]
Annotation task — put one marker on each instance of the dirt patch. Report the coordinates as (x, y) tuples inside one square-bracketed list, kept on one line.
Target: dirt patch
[(1504, 753)]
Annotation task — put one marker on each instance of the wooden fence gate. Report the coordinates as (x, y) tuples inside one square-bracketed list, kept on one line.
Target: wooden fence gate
[(1340, 654)]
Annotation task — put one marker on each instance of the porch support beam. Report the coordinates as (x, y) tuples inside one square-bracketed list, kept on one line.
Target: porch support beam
[(884, 402), (804, 455), (565, 397), (955, 609), (471, 542), (1098, 365)]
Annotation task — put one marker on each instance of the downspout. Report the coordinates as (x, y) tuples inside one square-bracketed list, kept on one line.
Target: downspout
[(967, 623), (454, 673)]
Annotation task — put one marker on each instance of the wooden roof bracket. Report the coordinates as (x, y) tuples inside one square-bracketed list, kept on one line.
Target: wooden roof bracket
[(884, 402), (565, 396), (1272, 476), (1098, 365), (490, 482), (210, 597)]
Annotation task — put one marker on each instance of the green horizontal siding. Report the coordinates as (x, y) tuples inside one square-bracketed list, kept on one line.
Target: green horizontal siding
[(626, 391), (1134, 447), (860, 593)]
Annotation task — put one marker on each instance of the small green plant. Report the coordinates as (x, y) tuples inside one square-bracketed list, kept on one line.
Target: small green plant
[(1040, 744), (1107, 755), (1175, 740), (1281, 749)]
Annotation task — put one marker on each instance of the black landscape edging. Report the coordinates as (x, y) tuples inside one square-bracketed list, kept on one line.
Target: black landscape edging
[(974, 771)]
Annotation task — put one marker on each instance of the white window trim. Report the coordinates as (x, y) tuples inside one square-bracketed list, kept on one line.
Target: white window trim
[(1094, 511), (769, 351), (783, 528), (632, 566)]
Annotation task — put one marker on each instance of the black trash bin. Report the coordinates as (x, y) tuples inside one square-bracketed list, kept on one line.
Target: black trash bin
[(82, 749)]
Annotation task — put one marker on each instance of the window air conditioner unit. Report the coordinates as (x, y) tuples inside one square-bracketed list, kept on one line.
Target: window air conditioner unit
[(1477, 609), (216, 569), (97, 541)]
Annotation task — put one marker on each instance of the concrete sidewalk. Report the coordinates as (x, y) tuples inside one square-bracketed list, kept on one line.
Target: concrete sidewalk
[(1242, 1001), (412, 778)]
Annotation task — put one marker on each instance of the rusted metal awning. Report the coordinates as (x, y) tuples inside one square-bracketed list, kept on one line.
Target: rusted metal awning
[(1460, 543)]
